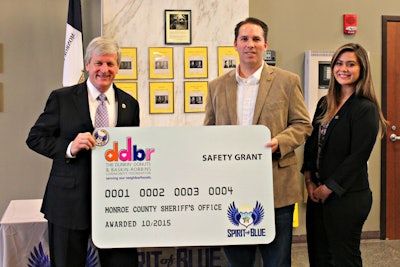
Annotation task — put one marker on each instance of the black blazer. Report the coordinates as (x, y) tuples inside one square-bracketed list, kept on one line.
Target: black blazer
[(348, 143), (67, 199)]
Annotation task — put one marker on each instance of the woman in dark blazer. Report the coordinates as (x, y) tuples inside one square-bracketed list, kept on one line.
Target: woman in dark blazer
[(346, 124)]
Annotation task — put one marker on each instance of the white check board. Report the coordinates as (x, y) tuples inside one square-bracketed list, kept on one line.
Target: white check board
[(182, 186)]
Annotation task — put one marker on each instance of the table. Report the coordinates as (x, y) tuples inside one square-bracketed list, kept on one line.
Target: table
[(23, 230)]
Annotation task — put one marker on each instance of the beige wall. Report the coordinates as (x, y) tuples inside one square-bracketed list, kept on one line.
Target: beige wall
[(32, 35), (33, 38)]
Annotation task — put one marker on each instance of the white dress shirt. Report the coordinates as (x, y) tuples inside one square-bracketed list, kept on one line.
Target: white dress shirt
[(111, 104), (247, 90)]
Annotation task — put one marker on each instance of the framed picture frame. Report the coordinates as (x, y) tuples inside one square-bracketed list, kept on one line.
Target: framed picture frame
[(178, 27), (196, 62), (161, 63), (228, 59), (161, 97), (195, 96), (129, 87), (128, 65)]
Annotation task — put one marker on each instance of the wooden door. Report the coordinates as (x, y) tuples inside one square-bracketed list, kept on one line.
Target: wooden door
[(390, 190)]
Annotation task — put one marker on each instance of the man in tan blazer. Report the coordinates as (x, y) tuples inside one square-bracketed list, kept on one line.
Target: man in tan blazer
[(256, 93)]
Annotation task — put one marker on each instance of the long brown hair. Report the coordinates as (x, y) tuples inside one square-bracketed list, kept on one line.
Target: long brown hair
[(364, 86)]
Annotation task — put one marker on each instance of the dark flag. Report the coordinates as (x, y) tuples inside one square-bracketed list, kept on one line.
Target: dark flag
[(73, 50)]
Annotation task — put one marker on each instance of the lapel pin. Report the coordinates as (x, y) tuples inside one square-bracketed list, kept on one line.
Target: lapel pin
[(123, 105), (336, 117)]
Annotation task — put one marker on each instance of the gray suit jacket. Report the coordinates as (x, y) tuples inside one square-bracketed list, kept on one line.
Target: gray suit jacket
[(280, 106)]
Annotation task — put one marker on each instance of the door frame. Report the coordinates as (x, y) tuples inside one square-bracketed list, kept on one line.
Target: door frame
[(385, 20)]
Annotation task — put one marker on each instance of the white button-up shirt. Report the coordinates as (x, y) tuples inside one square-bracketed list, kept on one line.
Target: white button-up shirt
[(247, 90)]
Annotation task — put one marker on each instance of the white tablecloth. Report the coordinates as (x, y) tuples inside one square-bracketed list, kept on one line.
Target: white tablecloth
[(23, 241), (22, 231)]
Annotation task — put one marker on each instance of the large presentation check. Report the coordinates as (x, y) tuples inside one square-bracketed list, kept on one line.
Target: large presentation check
[(182, 186)]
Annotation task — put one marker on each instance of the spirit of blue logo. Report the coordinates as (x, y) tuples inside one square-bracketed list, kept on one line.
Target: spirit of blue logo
[(245, 218), (38, 257)]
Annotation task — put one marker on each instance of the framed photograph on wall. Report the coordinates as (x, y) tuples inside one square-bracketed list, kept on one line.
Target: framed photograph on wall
[(178, 26), (161, 63), (228, 59), (161, 97), (196, 62), (129, 87), (195, 96), (128, 65)]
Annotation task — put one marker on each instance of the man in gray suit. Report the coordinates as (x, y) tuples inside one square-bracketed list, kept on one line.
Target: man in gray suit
[(255, 93), (63, 133)]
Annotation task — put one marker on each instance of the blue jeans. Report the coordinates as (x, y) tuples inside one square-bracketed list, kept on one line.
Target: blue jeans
[(278, 253)]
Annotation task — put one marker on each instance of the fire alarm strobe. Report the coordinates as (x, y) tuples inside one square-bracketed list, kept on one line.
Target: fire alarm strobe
[(350, 23)]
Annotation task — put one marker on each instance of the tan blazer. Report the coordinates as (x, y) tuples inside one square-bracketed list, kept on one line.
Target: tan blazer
[(280, 106)]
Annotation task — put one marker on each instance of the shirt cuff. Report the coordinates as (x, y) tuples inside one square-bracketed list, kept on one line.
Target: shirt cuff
[(335, 187), (68, 153)]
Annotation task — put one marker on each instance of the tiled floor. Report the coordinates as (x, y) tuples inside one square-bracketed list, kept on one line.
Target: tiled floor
[(375, 253)]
